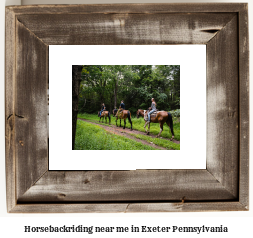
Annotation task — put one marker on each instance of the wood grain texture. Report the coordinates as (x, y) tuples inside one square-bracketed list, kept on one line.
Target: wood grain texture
[(139, 185), (222, 187), (244, 106), (133, 29), (9, 109), (30, 108), (155, 8), (186, 207), (129, 207), (222, 107)]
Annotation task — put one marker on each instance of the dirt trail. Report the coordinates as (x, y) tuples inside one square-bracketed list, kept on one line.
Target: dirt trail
[(126, 132)]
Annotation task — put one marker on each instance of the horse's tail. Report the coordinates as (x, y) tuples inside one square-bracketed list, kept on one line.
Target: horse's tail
[(129, 118), (170, 121), (109, 117)]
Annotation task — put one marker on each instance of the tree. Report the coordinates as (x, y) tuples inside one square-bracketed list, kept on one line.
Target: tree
[(76, 79), (135, 84)]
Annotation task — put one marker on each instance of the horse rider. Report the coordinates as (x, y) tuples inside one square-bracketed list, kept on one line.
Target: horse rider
[(153, 108), (121, 107), (102, 109)]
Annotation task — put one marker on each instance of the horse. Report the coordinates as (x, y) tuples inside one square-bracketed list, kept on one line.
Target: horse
[(122, 115), (114, 112), (161, 117), (105, 114), (140, 112)]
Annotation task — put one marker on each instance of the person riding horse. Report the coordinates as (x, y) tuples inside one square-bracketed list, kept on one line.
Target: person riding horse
[(121, 107), (122, 113), (153, 108), (160, 117), (102, 109)]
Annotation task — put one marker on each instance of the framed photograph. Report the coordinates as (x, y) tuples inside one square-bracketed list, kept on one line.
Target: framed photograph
[(141, 74), (39, 108)]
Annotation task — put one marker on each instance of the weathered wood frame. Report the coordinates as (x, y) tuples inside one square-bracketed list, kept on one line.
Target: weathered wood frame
[(223, 186)]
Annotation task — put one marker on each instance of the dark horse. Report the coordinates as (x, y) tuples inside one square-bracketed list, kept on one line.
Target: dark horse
[(122, 115), (161, 117), (105, 114)]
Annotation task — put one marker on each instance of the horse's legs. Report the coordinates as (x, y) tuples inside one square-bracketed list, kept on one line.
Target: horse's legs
[(169, 122), (129, 119), (148, 127), (124, 124), (171, 130), (161, 129), (145, 127)]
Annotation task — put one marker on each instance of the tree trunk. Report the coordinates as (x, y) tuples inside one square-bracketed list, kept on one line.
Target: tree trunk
[(101, 100), (110, 104), (115, 93), (76, 79)]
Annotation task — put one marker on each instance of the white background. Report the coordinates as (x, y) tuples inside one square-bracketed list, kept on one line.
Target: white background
[(192, 73), (239, 223)]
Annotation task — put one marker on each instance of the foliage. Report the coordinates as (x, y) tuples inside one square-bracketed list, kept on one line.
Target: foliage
[(92, 137), (135, 84), (175, 113)]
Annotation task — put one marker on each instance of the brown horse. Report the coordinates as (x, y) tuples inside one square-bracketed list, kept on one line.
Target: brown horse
[(124, 114), (105, 114), (139, 113), (161, 117)]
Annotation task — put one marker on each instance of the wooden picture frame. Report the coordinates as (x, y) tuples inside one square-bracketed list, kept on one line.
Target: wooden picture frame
[(222, 186)]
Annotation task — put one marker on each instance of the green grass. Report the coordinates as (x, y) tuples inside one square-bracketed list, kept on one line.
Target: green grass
[(92, 137), (138, 124), (157, 141), (95, 118)]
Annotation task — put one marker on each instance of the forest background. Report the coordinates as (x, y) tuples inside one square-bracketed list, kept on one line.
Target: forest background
[(135, 84)]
